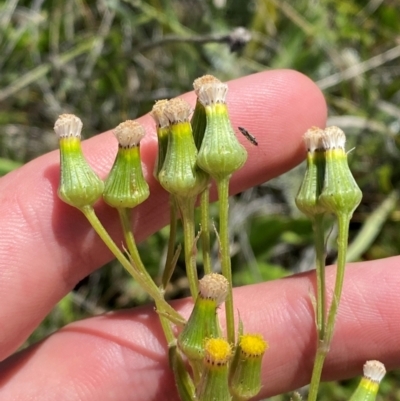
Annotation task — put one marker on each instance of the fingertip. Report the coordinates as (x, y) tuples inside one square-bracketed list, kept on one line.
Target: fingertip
[(277, 107)]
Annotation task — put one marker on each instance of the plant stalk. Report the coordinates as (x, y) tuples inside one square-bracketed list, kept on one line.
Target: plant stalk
[(324, 345), (125, 217), (320, 270), (205, 229), (186, 206), (170, 260), (223, 196), (140, 275)]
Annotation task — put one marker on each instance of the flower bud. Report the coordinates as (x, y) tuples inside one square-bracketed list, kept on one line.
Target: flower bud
[(179, 174), (203, 322), (307, 199), (374, 371), (125, 186), (162, 128), (220, 153), (340, 193), (79, 184), (199, 119), (245, 379), (214, 380)]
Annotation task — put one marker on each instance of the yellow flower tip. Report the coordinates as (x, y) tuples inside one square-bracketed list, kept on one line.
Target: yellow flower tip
[(178, 111), (129, 133), (253, 345), (333, 138), (213, 93), (204, 80), (374, 371), (313, 139), (68, 125), (217, 351), (158, 113), (214, 286)]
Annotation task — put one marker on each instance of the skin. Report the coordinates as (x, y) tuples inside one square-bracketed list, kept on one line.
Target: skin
[(46, 247)]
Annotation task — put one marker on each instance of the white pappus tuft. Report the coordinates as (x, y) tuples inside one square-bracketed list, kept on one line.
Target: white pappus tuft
[(68, 125)]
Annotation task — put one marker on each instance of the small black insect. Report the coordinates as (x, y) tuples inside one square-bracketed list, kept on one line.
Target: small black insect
[(248, 136)]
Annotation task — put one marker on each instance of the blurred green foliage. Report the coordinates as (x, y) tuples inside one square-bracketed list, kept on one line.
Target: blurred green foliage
[(110, 60)]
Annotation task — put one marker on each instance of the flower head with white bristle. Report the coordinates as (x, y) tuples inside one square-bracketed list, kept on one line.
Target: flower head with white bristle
[(158, 114), (313, 139), (214, 286), (68, 125), (374, 371), (213, 93), (178, 111), (79, 184), (178, 173), (333, 138), (125, 186), (204, 80), (129, 133), (340, 194)]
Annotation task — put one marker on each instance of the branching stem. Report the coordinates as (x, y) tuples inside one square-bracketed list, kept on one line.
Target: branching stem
[(324, 345)]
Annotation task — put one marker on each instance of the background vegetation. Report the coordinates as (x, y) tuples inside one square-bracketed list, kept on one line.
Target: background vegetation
[(108, 60)]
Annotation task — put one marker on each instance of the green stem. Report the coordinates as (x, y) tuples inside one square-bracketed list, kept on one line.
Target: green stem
[(324, 345), (223, 196), (320, 270), (141, 276), (169, 262), (183, 379), (205, 229), (125, 217), (186, 206)]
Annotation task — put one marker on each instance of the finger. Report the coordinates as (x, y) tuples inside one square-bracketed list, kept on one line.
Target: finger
[(47, 246), (123, 355)]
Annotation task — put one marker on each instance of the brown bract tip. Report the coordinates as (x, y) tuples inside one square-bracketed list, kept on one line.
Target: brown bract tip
[(313, 139), (214, 286), (333, 138), (158, 115), (178, 111), (204, 80), (213, 93), (68, 125), (374, 370), (129, 133)]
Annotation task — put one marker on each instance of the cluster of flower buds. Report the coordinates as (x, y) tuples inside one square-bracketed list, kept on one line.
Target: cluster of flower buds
[(80, 186), (206, 144), (187, 158), (223, 371), (203, 322), (184, 156), (328, 185), (191, 151)]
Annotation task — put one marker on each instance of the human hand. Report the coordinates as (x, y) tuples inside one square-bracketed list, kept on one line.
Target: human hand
[(47, 247)]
